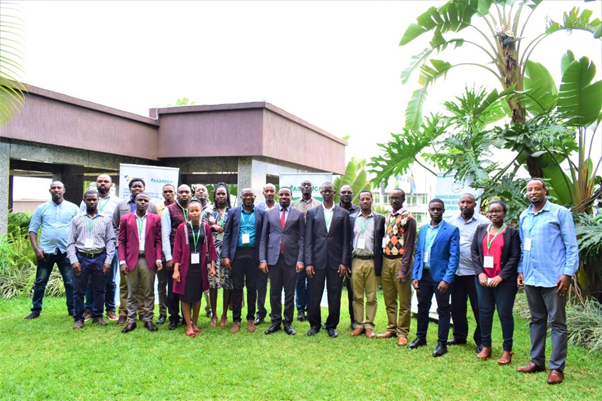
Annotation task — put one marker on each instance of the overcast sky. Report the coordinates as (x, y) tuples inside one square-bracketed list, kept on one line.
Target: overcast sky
[(334, 64)]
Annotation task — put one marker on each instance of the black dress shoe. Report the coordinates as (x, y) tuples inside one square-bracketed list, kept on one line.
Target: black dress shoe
[(440, 350), (173, 325), (273, 328), (353, 325), (313, 330), (288, 329), (333, 333), (301, 317), (479, 348), (161, 319), (31, 316), (150, 326), (258, 321), (324, 326), (129, 327), (455, 341), (419, 342)]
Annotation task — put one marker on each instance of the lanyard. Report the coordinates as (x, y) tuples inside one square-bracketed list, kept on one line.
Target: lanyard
[(195, 238), (365, 225), (533, 217), (140, 221), (489, 240), (222, 217), (90, 227), (104, 204), (184, 212), (246, 222)]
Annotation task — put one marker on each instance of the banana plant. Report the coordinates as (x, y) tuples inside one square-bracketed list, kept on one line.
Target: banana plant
[(12, 91), (355, 176)]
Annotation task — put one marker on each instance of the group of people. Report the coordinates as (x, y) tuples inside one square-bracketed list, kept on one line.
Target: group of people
[(195, 248)]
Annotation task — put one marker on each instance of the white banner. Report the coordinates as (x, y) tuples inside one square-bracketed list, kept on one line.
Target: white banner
[(154, 177), (294, 182), (450, 191)]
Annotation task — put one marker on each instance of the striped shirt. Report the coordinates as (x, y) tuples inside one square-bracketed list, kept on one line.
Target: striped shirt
[(99, 228)]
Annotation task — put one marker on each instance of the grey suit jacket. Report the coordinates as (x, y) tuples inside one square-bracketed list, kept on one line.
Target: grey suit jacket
[(292, 236), (326, 247)]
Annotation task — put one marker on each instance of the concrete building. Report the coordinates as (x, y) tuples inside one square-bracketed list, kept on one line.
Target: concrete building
[(73, 140)]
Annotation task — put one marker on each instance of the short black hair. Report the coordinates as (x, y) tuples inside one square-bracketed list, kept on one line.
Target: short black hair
[(91, 192), (436, 200), (502, 204), (169, 185), (136, 179), (365, 191)]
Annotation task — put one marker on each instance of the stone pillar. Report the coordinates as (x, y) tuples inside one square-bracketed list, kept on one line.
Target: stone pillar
[(74, 184), (251, 174), (4, 185)]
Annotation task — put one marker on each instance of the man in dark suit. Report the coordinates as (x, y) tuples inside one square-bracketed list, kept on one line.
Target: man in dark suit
[(326, 252), (269, 191), (435, 264), (240, 253), (140, 258), (281, 248), (346, 196)]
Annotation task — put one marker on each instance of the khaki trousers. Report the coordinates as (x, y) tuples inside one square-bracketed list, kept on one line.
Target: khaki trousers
[(123, 296), (392, 291), (141, 284), (364, 281)]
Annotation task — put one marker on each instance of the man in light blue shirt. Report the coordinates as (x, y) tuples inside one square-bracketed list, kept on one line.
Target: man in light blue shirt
[(54, 218), (550, 258)]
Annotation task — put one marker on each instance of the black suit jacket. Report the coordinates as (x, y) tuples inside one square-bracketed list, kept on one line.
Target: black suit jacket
[(510, 252), (377, 245), (292, 236), (326, 247), (232, 230)]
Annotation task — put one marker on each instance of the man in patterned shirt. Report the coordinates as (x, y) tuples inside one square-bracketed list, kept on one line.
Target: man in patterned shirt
[(396, 275)]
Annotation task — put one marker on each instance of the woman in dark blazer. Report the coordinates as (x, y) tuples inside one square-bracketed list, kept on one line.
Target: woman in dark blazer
[(495, 256)]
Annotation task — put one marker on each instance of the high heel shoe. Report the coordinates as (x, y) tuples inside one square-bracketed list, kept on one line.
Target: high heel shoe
[(484, 354), (506, 358)]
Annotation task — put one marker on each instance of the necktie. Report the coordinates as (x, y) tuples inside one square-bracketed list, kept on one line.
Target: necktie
[(282, 221)]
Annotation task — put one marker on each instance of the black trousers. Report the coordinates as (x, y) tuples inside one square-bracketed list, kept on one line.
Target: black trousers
[(282, 276), (334, 286), (244, 265), (350, 298), (464, 287), (262, 288), (173, 300), (428, 287)]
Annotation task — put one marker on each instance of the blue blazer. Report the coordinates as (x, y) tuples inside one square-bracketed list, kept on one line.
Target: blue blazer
[(232, 230), (445, 253)]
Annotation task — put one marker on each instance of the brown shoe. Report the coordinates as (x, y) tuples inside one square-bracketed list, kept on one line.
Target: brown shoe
[(111, 315), (79, 324), (531, 367), (87, 315), (370, 333), (100, 321), (235, 327), (358, 331), (251, 326), (555, 377), (122, 320), (484, 354), (386, 334), (402, 341)]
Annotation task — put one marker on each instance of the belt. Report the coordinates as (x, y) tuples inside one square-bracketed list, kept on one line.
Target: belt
[(393, 256), (90, 255), (361, 257)]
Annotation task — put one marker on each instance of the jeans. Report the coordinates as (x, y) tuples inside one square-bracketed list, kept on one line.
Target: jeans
[(463, 290), (110, 288), (91, 270), (501, 297), (43, 274), (302, 287), (244, 266)]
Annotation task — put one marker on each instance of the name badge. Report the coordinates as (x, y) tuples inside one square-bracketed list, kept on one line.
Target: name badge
[(489, 279), (426, 257), (195, 258), (89, 243), (385, 242), (141, 247), (220, 236), (246, 238), (361, 243), (488, 262), (527, 244)]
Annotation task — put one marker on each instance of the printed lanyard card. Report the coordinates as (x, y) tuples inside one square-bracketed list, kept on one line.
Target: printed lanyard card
[(89, 243), (246, 238), (527, 244), (361, 243), (195, 258), (488, 262)]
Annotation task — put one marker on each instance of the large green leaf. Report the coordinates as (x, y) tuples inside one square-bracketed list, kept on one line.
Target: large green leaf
[(579, 100), (574, 20), (561, 187), (12, 91), (540, 93), (414, 109), (566, 60), (453, 16)]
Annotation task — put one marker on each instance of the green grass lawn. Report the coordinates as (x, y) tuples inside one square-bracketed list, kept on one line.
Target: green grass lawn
[(47, 359)]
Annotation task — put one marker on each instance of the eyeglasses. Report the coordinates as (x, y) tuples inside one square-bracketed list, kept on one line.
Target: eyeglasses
[(495, 212), (327, 191)]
